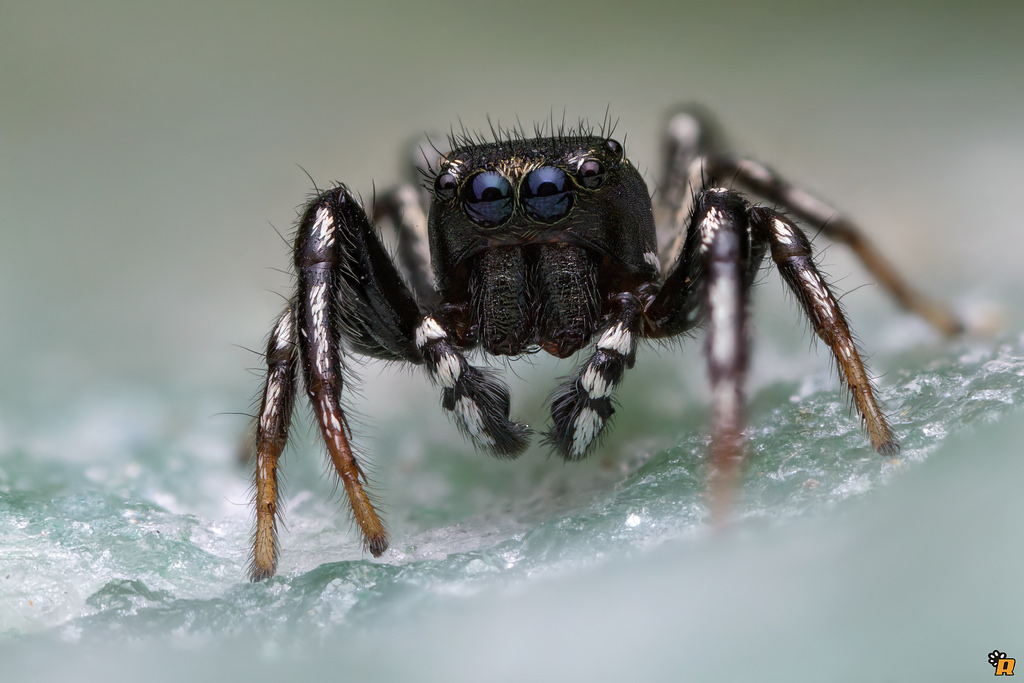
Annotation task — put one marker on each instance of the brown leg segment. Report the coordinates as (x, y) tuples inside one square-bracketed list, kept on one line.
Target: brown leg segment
[(791, 252), (937, 315), (334, 428), (762, 181), (271, 435), (319, 264)]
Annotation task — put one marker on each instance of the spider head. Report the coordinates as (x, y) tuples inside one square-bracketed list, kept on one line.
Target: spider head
[(574, 189)]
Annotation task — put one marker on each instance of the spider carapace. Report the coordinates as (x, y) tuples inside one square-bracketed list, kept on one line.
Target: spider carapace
[(549, 243)]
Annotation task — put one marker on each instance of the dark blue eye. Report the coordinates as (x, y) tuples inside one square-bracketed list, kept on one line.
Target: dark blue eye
[(546, 194), (488, 199)]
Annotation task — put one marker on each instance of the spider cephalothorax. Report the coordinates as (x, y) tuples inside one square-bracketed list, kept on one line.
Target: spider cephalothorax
[(547, 243)]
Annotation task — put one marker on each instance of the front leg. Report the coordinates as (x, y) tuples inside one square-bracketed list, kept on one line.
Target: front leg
[(342, 268), (348, 290), (709, 285), (582, 405), (477, 401)]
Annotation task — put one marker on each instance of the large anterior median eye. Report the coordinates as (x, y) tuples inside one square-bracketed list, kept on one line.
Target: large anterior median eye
[(488, 199), (546, 194)]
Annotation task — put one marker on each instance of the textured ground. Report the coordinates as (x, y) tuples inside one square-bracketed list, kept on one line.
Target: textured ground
[(143, 152)]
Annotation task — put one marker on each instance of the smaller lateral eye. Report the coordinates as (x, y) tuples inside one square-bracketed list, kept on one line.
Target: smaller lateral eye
[(445, 186), (590, 174), (614, 148)]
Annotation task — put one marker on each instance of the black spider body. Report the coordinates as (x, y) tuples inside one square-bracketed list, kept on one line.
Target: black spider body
[(548, 243), (527, 261), (572, 192)]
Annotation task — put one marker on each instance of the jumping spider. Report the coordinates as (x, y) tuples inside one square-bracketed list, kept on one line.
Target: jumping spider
[(549, 243)]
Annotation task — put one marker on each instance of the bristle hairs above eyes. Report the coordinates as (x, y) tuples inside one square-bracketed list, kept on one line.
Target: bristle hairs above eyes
[(506, 139)]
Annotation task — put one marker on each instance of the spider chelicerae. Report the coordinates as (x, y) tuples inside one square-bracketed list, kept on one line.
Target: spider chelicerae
[(517, 244)]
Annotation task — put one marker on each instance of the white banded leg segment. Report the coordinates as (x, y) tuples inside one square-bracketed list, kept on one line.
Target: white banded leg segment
[(683, 211), (582, 406), (727, 352), (404, 208), (279, 388), (682, 303), (691, 132), (480, 405), (428, 331), (333, 234), (478, 402)]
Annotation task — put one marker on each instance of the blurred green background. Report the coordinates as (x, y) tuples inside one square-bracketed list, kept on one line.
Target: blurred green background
[(151, 152)]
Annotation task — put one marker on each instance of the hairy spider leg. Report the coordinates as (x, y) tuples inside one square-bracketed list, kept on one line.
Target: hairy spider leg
[(272, 425), (696, 156), (709, 286), (582, 405), (684, 140), (725, 243), (763, 181), (791, 252), (349, 291), (681, 304), (476, 400), (403, 208), (330, 248), (690, 132)]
